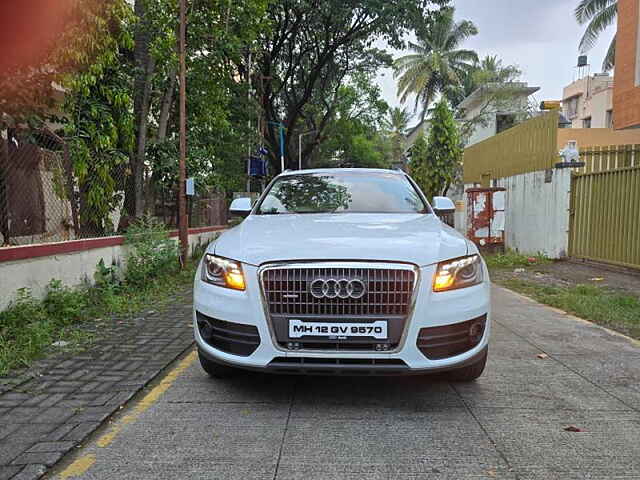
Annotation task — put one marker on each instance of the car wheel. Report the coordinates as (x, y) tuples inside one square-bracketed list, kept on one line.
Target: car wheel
[(214, 369), (470, 372)]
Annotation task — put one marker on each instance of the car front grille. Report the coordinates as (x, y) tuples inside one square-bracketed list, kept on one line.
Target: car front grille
[(388, 291), (384, 292)]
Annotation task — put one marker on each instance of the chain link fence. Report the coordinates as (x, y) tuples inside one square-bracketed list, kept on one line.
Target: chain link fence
[(43, 199)]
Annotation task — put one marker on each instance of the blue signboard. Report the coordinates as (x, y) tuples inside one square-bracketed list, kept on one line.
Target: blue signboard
[(257, 167)]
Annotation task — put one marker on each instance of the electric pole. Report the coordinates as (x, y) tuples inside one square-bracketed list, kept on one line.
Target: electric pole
[(183, 228)]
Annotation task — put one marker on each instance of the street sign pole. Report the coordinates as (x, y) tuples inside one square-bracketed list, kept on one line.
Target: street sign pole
[(281, 129), (182, 195), (282, 147)]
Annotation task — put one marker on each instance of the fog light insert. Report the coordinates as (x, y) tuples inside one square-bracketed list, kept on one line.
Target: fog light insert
[(476, 331)]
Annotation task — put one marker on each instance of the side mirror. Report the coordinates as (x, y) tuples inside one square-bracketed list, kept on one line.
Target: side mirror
[(240, 207), (443, 206)]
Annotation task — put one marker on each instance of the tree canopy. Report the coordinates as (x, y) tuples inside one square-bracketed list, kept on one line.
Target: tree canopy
[(312, 48), (434, 162)]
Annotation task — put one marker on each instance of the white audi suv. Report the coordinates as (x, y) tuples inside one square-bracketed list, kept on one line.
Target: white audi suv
[(342, 271)]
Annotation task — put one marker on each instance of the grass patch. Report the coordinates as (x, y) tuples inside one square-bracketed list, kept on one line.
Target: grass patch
[(29, 328), (511, 259), (618, 311)]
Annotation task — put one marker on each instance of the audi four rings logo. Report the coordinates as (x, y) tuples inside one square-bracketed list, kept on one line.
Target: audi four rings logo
[(338, 288)]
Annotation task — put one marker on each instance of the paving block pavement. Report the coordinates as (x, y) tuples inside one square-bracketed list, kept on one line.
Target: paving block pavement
[(65, 398)]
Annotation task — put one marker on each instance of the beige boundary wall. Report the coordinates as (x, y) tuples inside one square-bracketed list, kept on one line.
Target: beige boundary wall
[(597, 137), (73, 268)]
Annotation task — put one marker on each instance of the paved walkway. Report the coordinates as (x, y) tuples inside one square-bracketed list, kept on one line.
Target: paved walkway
[(48, 415), (547, 371)]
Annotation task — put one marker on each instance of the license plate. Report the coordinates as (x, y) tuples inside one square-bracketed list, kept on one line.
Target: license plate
[(299, 329)]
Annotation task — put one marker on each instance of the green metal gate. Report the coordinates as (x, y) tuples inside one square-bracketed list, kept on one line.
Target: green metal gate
[(605, 216)]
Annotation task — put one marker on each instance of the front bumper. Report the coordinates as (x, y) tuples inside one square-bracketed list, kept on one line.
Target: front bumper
[(431, 310)]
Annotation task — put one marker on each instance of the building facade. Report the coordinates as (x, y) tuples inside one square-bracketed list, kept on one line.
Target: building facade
[(494, 108), (626, 95), (588, 102)]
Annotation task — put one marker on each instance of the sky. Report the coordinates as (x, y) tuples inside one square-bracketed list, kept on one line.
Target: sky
[(539, 36)]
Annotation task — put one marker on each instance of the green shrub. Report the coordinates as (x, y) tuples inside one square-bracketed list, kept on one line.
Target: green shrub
[(64, 305), (21, 313), (106, 278), (29, 326), (152, 253)]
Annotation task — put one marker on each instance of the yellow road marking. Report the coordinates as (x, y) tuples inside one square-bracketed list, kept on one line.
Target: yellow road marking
[(84, 463), (148, 400), (78, 467)]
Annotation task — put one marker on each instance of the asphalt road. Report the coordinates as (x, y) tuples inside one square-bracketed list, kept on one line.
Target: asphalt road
[(510, 424)]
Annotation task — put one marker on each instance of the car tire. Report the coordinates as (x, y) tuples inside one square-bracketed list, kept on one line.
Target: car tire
[(214, 369), (470, 372)]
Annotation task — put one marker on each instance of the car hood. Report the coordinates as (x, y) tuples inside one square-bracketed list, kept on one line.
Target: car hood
[(418, 239)]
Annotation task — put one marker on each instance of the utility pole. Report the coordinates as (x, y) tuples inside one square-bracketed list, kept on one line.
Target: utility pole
[(183, 228), (249, 148)]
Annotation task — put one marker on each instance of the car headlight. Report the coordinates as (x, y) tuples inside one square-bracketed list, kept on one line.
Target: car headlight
[(222, 272), (458, 273)]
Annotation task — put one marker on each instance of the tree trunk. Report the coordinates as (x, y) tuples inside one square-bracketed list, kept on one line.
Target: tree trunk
[(167, 103), (144, 68)]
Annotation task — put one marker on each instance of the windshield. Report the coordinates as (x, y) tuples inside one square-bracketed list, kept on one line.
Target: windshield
[(342, 193)]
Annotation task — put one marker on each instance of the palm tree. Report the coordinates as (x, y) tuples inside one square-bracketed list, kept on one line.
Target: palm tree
[(396, 125), (397, 121), (492, 70), (489, 69), (437, 62), (599, 15)]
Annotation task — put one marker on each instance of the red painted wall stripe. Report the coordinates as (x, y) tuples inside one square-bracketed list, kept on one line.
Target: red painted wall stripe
[(8, 254)]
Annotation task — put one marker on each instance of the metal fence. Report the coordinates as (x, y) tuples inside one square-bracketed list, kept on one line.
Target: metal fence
[(601, 159), (42, 198), (528, 147), (605, 214)]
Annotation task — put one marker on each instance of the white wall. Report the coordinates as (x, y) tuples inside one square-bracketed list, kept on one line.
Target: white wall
[(71, 268), (601, 103), (484, 130), (537, 213), (488, 126)]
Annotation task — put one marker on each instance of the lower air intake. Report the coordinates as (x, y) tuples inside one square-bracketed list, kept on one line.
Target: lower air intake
[(233, 338), (437, 343)]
